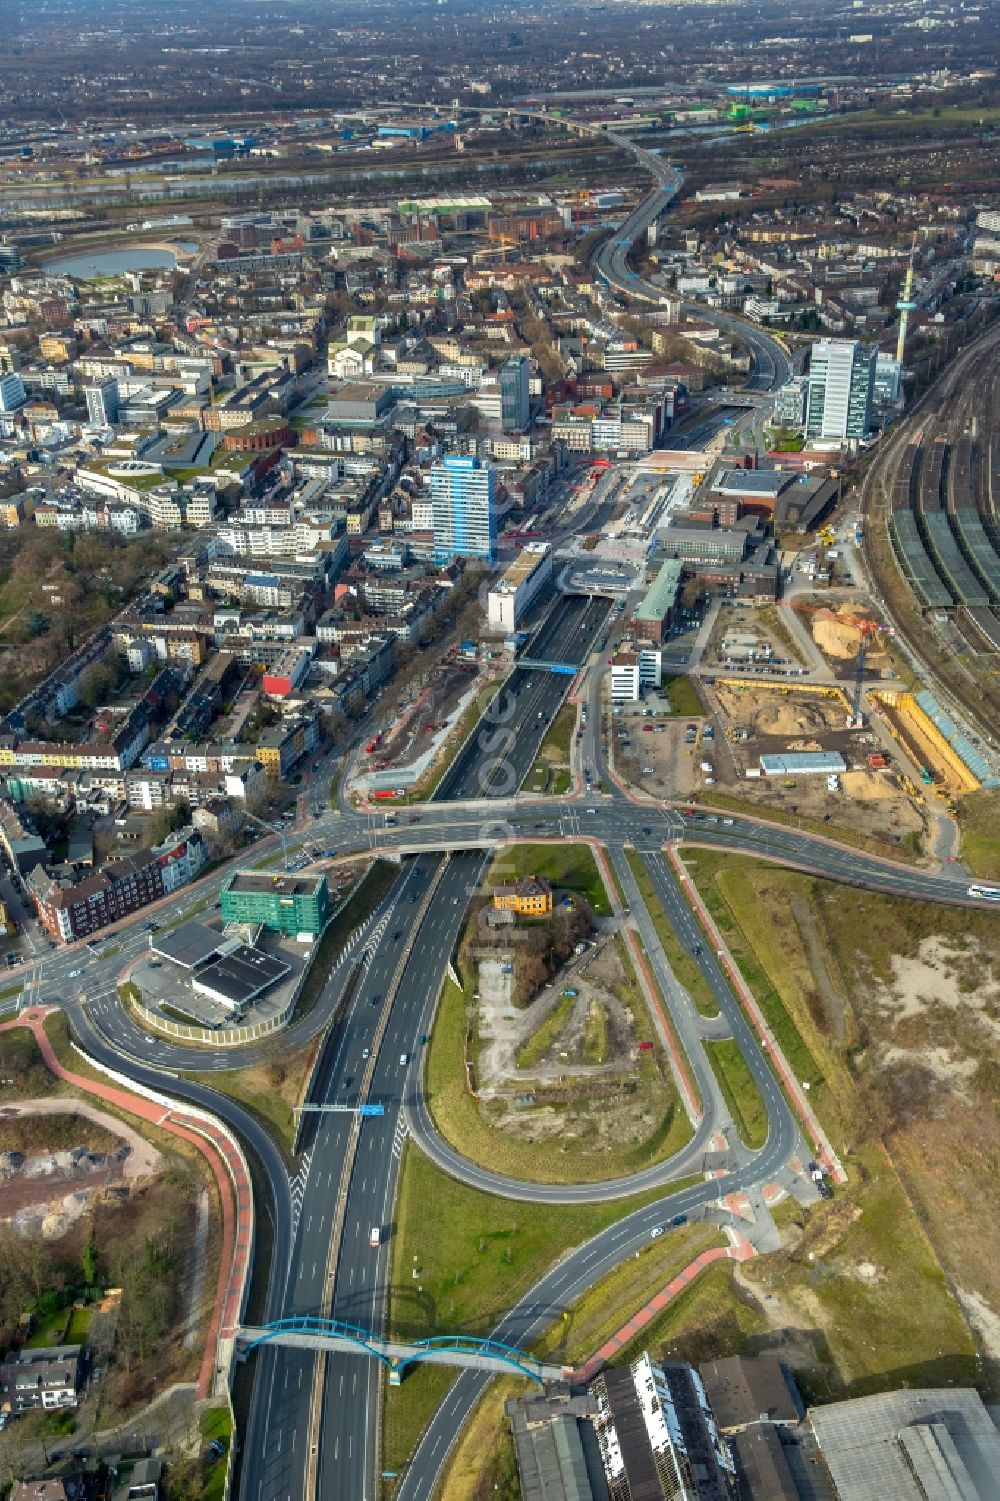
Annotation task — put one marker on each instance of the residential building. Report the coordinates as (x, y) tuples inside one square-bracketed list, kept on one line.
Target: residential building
[(841, 382), (464, 500), (282, 903), (73, 903), (47, 1377), (528, 896), (12, 393), (102, 402)]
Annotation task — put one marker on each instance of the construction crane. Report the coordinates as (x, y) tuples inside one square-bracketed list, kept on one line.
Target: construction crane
[(867, 628)]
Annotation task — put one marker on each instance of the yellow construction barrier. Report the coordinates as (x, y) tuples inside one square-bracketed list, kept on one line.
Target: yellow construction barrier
[(780, 685), (923, 740)]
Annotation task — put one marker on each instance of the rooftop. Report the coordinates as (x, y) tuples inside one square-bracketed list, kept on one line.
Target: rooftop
[(264, 883)]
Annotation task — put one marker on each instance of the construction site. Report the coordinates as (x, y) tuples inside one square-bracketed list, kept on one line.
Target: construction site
[(861, 786)]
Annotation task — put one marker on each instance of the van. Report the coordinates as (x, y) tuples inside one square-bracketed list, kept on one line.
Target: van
[(375, 1235), (404, 1059)]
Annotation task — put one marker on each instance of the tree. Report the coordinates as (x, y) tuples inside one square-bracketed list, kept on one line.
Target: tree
[(88, 1260), (96, 682), (37, 623)]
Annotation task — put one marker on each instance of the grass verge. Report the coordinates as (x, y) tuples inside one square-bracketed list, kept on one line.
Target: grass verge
[(905, 853), (484, 1462), (684, 966), (739, 1090), (372, 889), (979, 820), (610, 1303)]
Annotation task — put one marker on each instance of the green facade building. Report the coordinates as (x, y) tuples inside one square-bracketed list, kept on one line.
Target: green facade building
[(284, 903)]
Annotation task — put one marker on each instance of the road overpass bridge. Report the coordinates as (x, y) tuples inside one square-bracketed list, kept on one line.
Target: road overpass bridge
[(396, 1355)]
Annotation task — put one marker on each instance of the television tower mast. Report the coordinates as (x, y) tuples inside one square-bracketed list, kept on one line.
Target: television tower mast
[(905, 305)]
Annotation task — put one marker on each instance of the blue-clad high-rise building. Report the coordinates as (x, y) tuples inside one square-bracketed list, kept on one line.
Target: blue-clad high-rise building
[(464, 502)]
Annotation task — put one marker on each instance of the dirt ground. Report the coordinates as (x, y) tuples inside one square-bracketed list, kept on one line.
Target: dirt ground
[(561, 1096), (773, 722), (839, 641), (411, 738), (45, 1192)]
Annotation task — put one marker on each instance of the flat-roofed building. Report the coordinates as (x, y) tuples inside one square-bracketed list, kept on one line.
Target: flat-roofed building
[(291, 904), (519, 586), (655, 612)]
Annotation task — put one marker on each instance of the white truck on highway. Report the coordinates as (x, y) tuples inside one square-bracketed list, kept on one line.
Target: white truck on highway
[(375, 1235)]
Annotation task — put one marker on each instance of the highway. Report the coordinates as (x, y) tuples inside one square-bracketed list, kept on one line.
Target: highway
[(772, 365), (502, 748), (277, 1442)]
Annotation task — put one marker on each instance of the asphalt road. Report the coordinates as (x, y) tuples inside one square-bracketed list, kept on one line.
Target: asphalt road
[(501, 750)]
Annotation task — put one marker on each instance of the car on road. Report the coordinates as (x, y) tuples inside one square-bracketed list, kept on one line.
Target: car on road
[(656, 1232), (404, 1059), (375, 1235), (366, 1053), (74, 974), (679, 1219)]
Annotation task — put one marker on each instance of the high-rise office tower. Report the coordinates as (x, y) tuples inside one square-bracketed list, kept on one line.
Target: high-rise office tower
[(841, 378), (102, 402), (463, 497), (515, 407)]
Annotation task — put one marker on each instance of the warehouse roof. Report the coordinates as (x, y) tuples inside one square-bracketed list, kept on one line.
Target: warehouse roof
[(805, 762), (190, 944)]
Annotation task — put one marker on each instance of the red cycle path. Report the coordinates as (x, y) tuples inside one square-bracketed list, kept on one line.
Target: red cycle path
[(628, 1332), (228, 1169)]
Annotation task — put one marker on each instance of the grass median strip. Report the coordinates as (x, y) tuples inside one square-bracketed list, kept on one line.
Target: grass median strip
[(538, 1044), (685, 967), (739, 1091)]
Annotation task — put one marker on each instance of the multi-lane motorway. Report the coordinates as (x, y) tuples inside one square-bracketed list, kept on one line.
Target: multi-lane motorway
[(279, 1460)]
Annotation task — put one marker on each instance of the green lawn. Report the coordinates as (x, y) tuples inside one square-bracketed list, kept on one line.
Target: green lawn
[(979, 819), (215, 1423), (750, 905), (79, 1325), (739, 1091), (567, 867), (685, 967), (474, 1257), (683, 696), (476, 1254)]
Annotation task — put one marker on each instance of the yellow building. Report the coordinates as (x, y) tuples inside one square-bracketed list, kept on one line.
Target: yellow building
[(529, 896)]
